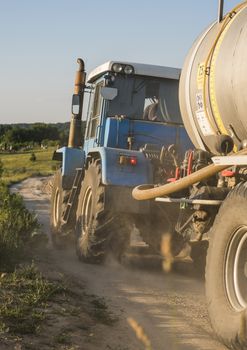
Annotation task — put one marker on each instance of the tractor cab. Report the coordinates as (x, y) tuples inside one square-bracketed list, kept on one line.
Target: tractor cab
[(132, 105)]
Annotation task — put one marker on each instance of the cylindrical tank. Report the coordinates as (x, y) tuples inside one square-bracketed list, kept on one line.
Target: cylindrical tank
[(213, 85)]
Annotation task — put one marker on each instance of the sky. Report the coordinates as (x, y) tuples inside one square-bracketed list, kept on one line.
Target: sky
[(41, 40)]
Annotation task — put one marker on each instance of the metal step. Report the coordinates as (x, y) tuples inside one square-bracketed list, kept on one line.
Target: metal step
[(73, 194)]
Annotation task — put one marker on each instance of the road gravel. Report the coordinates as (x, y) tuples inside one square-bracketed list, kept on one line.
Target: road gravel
[(170, 307)]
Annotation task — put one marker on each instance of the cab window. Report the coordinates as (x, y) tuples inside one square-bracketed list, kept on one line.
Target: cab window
[(95, 111)]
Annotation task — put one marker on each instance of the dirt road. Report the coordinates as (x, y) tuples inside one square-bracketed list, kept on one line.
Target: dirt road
[(169, 307)]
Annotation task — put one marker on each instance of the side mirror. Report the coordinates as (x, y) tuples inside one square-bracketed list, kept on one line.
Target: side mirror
[(76, 104), (108, 93)]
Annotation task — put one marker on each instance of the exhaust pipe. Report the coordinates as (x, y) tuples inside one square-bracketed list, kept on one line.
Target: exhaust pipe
[(75, 132), (144, 192), (220, 10)]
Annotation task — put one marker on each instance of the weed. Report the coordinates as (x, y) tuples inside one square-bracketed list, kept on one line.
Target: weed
[(62, 338), (16, 227), (101, 312), (33, 157), (23, 297)]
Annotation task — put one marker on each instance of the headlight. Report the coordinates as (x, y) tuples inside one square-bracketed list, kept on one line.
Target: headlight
[(117, 67), (128, 69)]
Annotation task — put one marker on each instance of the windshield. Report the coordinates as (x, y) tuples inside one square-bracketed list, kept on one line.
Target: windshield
[(146, 98)]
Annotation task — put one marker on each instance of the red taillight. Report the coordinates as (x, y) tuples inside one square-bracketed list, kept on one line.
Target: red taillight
[(133, 161)]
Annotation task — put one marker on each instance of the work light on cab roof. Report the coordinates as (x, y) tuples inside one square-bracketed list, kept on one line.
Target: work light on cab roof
[(122, 68)]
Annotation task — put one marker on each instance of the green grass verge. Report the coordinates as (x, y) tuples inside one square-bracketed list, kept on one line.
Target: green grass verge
[(23, 300), (18, 166), (17, 225)]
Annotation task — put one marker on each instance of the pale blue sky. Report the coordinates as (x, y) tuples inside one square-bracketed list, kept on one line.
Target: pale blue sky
[(40, 41)]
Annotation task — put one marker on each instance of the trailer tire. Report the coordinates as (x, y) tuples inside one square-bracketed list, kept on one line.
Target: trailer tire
[(226, 275), (97, 230), (58, 201)]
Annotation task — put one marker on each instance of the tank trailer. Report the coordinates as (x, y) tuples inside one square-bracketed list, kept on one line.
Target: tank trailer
[(211, 186)]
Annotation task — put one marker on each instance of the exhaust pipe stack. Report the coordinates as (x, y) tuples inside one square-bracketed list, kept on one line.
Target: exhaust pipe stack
[(75, 132), (220, 10)]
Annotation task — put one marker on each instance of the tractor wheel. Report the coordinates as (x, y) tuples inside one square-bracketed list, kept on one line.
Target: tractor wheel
[(97, 229), (226, 271), (58, 200), (120, 229)]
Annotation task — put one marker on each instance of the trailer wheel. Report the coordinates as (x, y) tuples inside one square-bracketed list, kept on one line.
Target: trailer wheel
[(97, 229), (226, 271), (58, 199)]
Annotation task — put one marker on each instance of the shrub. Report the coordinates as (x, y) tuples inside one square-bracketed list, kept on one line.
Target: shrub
[(16, 226), (1, 168), (33, 157)]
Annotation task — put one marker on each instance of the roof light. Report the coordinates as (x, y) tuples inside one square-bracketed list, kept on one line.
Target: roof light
[(128, 69), (117, 67)]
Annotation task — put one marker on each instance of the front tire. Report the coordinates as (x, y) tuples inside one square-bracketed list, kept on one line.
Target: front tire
[(226, 271)]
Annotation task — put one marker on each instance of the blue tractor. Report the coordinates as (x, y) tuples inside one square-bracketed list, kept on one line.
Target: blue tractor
[(134, 134)]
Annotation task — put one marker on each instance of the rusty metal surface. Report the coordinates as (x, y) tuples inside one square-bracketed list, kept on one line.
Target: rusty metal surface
[(75, 132)]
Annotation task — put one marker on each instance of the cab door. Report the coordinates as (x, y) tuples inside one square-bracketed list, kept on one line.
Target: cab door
[(94, 118)]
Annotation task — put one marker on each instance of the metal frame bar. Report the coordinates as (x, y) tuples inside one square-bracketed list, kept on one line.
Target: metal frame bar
[(189, 201)]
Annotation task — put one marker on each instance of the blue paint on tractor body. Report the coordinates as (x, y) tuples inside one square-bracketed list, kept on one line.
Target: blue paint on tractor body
[(119, 135), (72, 158), (113, 173)]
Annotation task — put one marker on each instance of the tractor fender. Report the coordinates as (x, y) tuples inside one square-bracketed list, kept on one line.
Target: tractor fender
[(72, 159), (117, 174)]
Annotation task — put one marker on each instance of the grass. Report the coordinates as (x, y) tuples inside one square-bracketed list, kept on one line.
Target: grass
[(101, 312), (23, 299), (17, 225), (18, 166), (62, 338)]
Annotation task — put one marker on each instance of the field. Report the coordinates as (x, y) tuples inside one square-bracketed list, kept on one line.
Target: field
[(18, 166)]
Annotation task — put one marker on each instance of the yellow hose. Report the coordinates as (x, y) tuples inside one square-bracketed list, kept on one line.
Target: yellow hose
[(144, 192)]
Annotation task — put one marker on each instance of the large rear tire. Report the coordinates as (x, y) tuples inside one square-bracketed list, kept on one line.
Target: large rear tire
[(58, 201), (97, 229), (226, 271)]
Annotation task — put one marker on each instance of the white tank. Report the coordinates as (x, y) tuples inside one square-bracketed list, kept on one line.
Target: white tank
[(213, 85)]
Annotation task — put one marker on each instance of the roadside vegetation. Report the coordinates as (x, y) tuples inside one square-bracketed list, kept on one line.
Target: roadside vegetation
[(18, 137), (23, 290), (29, 299), (21, 165), (24, 294), (16, 227)]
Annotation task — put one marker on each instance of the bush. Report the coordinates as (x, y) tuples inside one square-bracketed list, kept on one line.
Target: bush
[(16, 226), (1, 168), (33, 157)]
